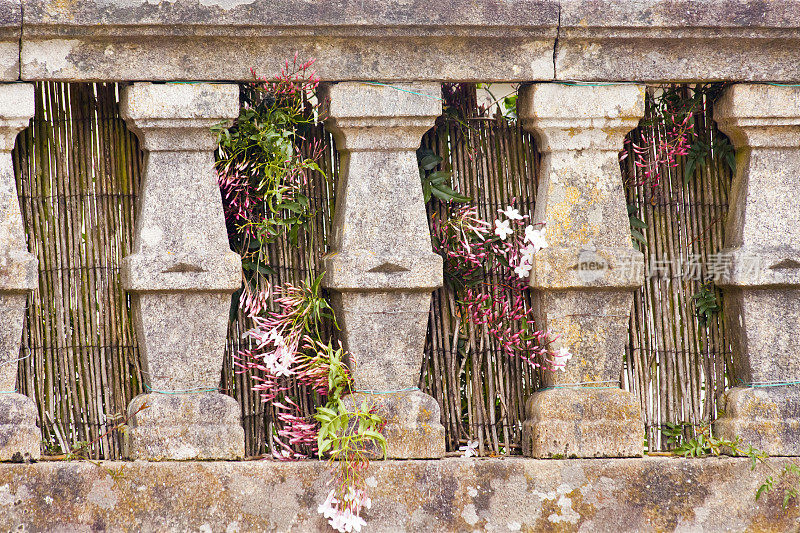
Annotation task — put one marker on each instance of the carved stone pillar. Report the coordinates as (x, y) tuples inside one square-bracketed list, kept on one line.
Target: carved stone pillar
[(584, 282), (382, 268), (181, 275), (20, 439), (762, 259)]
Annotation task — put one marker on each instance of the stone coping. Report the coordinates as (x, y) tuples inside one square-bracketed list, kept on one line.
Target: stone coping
[(402, 40), (455, 494)]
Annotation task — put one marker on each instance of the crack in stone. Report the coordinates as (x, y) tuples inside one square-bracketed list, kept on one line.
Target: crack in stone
[(555, 43)]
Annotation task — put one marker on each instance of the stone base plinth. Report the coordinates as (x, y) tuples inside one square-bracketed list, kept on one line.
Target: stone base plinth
[(20, 438), (767, 418), (506, 495), (413, 423), (583, 423), (183, 427)]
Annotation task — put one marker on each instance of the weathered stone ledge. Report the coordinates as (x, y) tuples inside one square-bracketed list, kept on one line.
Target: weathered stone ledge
[(402, 40), (649, 494)]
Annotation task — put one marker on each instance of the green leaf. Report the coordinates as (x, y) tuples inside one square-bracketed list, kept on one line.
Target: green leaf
[(426, 191), (636, 234), (636, 223), (430, 161), (445, 193)]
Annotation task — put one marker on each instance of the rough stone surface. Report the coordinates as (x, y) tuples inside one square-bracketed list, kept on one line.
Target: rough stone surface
[(382, 268), (181, 274), (19, 436), (663, 40), (351, 39), (582, 423), (767, 418), (583, 283), (10, 30), (402, 40), (184, 427), (762, 284), (413, 423), (505, 495)]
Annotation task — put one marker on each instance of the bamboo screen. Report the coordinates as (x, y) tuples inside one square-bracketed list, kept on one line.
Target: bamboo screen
[(78, 171)]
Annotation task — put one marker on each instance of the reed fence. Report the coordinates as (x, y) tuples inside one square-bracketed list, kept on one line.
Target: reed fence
[(78, 171)]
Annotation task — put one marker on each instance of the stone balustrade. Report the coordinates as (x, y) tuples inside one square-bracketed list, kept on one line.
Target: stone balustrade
[(19, 437), (762, 283), (382, 269), (582, 283)]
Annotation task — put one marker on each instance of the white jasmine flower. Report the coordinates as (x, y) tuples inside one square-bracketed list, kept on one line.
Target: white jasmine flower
[(502, 229), (326, 508), (536, 238), (511, 213), (527, 253), (523, 270), (470, 450), (337, 522), (560, 358)]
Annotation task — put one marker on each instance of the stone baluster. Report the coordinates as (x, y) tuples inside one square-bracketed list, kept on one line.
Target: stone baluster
[(20, 439), (181, 275), (583, 283), (382, 268), (760, 267)]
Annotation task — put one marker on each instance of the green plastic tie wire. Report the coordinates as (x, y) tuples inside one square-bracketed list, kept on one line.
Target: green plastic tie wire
[(369, 391), (582, 385), (8, 391), (783, 84), (401, 89), (759, 384), (184, 391)]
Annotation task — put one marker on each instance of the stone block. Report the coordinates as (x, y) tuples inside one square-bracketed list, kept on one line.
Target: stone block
[(652, 494), (593, 325), (182, 427), (587, 268), (16, 110), (20, 438), (385, 335), (564, 423), (669, 40), (12, 315), (10, 31), (767, 418), (760, 267), (382, 267), (182, 337), (181, 274), (413, 422), (392, 40), (583, 282), (184, 271)]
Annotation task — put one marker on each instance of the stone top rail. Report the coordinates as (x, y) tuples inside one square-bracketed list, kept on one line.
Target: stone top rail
[(402, 40)]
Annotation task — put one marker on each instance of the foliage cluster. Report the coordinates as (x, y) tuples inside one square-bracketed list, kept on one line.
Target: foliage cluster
[(263, 163)]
